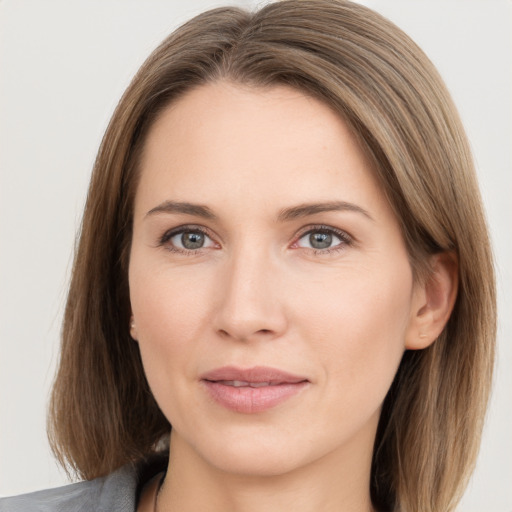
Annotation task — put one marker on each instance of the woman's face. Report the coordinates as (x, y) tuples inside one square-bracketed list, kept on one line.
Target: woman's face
[(270, 285)]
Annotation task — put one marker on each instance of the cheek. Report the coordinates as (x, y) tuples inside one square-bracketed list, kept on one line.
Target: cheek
[(357, 322), (356, 329), (167, 303), (170, 311)]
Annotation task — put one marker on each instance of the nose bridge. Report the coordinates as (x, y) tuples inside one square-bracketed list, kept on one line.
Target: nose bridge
[(249, 302)]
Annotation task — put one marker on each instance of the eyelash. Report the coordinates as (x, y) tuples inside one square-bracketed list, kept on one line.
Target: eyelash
[(179, 230), (346, 239)]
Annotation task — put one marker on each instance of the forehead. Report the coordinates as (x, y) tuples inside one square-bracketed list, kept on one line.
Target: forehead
[(274, 145)]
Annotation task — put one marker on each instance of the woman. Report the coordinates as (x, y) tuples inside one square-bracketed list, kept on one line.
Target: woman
[(283, 255)]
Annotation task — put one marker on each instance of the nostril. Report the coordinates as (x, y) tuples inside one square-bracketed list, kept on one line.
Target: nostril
[(225, 333)]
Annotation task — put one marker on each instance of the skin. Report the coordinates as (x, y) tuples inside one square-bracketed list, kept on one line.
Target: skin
[(257, 294)]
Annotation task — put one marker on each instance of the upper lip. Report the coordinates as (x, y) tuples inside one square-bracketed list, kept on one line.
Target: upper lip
[(254, 374)]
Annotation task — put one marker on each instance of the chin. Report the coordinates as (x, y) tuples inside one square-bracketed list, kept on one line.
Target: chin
[(259, 452), (256, 462)]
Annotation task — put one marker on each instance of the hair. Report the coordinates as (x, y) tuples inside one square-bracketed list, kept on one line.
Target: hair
[(102, 413)]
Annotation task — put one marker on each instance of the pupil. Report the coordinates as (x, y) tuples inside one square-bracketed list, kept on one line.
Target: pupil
[(320, 240), (192, 240)]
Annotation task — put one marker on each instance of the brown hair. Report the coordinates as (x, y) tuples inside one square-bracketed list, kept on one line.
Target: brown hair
[(102, 413)]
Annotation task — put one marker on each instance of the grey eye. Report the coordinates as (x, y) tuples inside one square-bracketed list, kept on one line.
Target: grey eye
[(320, 240), (191, 240)]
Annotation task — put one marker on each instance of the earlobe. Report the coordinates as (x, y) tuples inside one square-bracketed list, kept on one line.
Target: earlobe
[(433, 302), (133, 330)]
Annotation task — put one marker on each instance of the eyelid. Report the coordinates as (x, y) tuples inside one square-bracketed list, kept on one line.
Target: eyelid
[(170, 233), (346, 238)]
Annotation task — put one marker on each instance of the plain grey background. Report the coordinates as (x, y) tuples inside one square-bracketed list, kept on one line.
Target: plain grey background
[(63, 66)]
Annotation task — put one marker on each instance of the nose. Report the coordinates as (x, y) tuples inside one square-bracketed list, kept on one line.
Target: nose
[(249, 303)]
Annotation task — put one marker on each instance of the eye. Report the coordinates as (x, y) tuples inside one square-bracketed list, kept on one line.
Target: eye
[(186, 239), (324, 239)]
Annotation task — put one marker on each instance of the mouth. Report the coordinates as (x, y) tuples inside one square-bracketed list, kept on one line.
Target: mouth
[(244, 384), (252, 390)]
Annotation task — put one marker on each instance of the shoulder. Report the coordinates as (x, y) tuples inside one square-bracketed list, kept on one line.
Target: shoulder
[(116, 492)]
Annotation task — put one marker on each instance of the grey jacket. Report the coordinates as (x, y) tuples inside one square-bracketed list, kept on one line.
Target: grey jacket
[(117, 492)]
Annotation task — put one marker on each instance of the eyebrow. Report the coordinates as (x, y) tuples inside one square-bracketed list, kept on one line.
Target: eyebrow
[(285, 215), (197, 210), (303, 210)]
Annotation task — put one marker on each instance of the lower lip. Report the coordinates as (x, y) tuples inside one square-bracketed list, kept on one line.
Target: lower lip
[(249, 400)]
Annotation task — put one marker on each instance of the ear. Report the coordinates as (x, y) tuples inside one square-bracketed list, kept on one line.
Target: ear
[(133, 328), (433, 301)]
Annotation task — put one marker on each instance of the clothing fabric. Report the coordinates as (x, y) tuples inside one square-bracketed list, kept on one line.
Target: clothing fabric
[(117, 492)]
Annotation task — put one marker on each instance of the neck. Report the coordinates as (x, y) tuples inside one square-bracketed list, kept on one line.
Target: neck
[(337, 482)]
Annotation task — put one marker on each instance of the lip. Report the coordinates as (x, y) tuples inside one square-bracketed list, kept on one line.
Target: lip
[(252, 390)]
